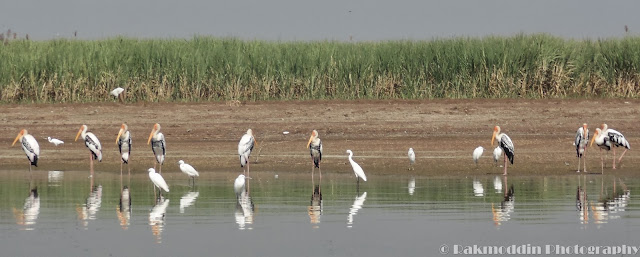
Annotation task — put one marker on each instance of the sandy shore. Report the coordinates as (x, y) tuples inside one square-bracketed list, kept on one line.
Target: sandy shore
[(443, 133)]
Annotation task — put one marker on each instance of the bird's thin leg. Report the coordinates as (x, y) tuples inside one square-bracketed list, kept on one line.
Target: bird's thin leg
[(614, 157), (91, 162), (121, 163), (320, 171), (357, 185), (248, 164), (154, 166), (620, 159), (578, 163), (129, 167), (505, 164), (601, 161), (160, 168), (30, 173), (312, 170)]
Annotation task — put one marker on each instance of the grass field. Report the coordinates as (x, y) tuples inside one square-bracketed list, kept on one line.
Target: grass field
[(205, 69)]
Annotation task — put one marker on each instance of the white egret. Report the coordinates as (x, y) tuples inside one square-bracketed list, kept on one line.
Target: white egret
[(189, 170), (91, 142), (29, 146), (505, 143), (245, 146), (497, 153), (55, 141), (158, 145), (238, 185), (315, 150), (606, 139), (157, 180), (412, 158), (582, 137), (124, 145), (477, 153), (356, 169), (117, 92)]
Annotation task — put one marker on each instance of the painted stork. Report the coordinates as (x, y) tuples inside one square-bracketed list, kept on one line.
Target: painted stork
[(245, 146), (606, 139), (582, 137), (505, 144), (315, 150), (124, 145), (158, 145), (189, 170), (356, 169), (91, 142), (477, 153), (412, 158), (30, 147)]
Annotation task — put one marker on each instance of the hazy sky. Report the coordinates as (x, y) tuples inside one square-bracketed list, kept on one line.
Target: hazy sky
[(318, 20)]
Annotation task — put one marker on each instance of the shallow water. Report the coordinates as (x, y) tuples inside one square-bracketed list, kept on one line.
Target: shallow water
[(284, 216)]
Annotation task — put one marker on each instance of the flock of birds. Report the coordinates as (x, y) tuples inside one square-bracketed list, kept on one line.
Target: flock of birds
[(604, 137), (157, 141)]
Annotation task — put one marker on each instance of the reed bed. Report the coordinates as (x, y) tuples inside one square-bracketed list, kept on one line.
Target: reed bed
[(208, 69)]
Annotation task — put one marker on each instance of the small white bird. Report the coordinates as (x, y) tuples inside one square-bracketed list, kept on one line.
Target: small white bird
[(238, 185), (412, 158), (477, 153), (118, 93), (497, 153), (356, 169), (55, 141), (157, 180), (189, 170)]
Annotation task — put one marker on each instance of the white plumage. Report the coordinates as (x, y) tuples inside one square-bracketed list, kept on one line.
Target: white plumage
[(607, 139), (91, 142), (412, 157), (477, 153), (245, 146), (55, 141), (497, 152), (116, 92), (188, 169), (356, 168), (157, 180), (238, 185), (29, 146), (505, 143)]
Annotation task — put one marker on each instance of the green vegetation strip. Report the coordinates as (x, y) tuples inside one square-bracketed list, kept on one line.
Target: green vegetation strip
[(205, 69)]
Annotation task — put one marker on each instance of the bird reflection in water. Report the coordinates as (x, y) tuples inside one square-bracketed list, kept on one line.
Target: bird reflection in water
[(187, 200), (503, 213), (29, 214), (244, 211), (357, 205), (478, 189), (55, 177), (123, 210), (497, 184), (91, 206), (315, 208), (412, 185), (157, 218), (609, 206)]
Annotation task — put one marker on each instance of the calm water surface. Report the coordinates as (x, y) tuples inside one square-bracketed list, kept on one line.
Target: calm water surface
[(65, 213)]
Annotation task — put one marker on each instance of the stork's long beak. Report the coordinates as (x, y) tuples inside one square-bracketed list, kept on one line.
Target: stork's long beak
[(493, 137), (595, 134), (153, 131), (255, 142), (584, 130), (18, 137), (119, 134), (310, 139), (78, 135)]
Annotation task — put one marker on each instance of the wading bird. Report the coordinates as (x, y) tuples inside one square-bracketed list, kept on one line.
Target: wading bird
[(158, 181), (477, 153), (189, 170), (55, 141), (315, 150), (497, 152), (412, 158), (124, 145), (30, 147), (504, 142), (356, 169), (156, 138), (606, 139), (91, 142), (118, 93), (582, 137), (244, 148), (238, 185)]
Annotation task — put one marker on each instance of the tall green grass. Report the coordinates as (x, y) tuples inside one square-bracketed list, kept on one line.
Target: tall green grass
[(205, 68)]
